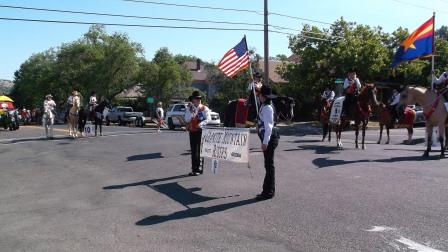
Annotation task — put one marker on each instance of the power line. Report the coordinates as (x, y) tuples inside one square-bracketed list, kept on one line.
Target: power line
[(419, 6), (125, 16), (153, 26), (194, 6), (157, 18), (227, 9)]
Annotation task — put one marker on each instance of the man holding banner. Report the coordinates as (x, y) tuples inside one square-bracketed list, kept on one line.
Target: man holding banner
[(197, 116)]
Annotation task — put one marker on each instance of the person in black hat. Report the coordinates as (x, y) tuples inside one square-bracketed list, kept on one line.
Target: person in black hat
[(269, 137), (352, 86), (197, 116)]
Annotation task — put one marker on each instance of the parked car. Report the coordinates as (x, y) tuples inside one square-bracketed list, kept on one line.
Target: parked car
[(176, 113), (419, 115), (122, 115)]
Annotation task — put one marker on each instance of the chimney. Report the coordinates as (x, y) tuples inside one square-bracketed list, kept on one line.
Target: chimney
[(198, 65)]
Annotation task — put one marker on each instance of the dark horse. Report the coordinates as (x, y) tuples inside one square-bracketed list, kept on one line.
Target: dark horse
[(97, 115), (284, 108), (359, 112), (387, 121), (325, 119)]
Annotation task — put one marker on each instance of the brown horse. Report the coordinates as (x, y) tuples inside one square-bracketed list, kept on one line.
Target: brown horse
[(359, 112), (73, 116), (434, 110), (386, 120), (325, 119)]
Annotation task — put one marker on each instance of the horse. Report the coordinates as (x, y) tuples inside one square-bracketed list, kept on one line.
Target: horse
[(73, 117), (48, 122), (358, 112), (284, 109), (97, 115), (386, 120), (434, 110), (324, 118)]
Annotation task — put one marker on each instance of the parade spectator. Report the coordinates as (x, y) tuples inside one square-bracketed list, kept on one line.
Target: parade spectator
[(160, 116)]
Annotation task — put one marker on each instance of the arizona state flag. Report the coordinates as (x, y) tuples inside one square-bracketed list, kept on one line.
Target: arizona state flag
[(419, 44)]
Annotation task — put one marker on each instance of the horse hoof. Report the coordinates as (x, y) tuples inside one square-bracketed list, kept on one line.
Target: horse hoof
[(379, 142), (387, 142), (364, 148), (442, 156), (426, 155)]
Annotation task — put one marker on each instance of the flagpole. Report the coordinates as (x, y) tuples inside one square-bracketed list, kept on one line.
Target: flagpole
[(433, 50), (252, 77)]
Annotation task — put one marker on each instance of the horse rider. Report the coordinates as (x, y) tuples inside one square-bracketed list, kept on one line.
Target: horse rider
[(394, 105), (197, 116), (328, 94), (50, 104), (351, 87), (269, 136), (69, 104), (440, 84), (257, 84), (93, 102)]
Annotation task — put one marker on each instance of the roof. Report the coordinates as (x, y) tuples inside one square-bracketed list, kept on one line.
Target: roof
[(198, 74), (274, 76), (134, 92)]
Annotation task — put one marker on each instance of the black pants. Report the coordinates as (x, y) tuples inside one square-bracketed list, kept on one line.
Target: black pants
[(269, 179), (195, 145)]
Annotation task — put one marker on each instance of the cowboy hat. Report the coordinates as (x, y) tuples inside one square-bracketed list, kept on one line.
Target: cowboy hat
[(266, 91), (258, 75), (75, 93), (196, 95), (48, 96)]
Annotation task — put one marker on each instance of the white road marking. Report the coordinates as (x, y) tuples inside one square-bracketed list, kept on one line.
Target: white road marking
[(416, 246), (380, 229), (410, 244)]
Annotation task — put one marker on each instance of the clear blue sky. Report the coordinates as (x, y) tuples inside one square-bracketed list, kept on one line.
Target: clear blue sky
[(19, 40)]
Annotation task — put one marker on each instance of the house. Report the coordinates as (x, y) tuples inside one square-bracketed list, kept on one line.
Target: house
[(6, 86), (199, 77), (132, 93)]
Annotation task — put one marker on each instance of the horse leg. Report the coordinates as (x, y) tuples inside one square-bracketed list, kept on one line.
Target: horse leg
[(329, 132), (357, 134), (324, 131), (381, 133), (101, 126), (96, 125), (410, 133), (442, 139), (388, 134), (46, 129), (446, 137), (429, 141), (51, 128), (364, 126)]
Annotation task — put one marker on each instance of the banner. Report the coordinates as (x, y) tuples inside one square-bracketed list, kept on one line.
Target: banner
[(336, 110), (229, 144)]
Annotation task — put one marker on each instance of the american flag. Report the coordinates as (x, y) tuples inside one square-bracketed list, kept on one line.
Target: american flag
[(235, 60)]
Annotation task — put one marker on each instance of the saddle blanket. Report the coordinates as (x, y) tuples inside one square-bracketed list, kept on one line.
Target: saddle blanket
[(241, 112), (336, 110), (446, 106)]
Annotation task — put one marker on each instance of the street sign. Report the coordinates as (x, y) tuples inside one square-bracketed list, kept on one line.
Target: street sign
[(150, 100), (339, 81)]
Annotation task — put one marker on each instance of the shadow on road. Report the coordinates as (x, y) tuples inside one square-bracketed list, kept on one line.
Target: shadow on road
[(34, 139), (318, 149), (144, 183), (305, 141), (148, 156), (327, 162), (192, 213)]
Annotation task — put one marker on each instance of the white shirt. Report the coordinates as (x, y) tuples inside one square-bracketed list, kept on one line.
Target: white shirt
[(266, 122), (441, 79), (204, 116), (49, 104), (328, 95), (256, 84), (70, 100), (357, 82), (160, 113), (394, 100), (93, 100)]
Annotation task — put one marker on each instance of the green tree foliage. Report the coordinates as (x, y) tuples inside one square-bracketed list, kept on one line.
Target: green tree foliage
[(98, 61), (163, 77)]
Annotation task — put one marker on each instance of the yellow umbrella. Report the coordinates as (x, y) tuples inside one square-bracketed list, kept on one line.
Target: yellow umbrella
[(4, 98)]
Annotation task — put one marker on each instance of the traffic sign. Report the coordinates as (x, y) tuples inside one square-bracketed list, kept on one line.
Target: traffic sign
[(339, 81), (150, 99)]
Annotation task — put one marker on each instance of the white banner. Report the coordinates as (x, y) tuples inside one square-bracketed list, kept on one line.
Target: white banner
[(89, 129), (229, 144), (336, 110)]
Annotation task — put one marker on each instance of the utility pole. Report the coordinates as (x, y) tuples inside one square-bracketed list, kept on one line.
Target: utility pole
[(266, 43)]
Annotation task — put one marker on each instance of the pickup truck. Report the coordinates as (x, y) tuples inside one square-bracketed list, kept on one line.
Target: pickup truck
[(122, 115), (176, 113)]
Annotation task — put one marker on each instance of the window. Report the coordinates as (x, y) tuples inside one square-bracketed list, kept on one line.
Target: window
[(179, 108)]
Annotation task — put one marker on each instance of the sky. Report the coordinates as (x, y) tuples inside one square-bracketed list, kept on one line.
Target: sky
[(19, 40)]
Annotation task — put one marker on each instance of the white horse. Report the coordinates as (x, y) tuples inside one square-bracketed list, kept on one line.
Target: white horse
[(48, 121), (74, 117)]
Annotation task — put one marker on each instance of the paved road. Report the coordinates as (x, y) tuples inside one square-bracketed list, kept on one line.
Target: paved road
[(127, 191)]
